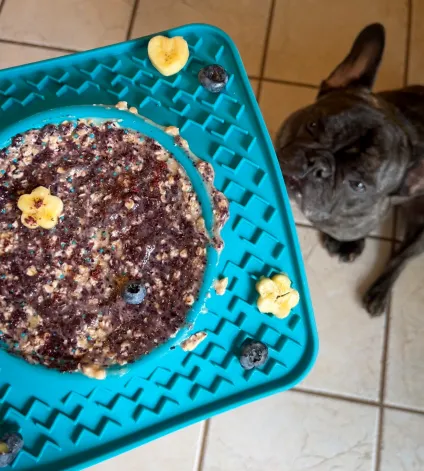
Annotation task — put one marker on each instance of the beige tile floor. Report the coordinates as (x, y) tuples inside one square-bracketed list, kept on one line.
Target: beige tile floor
[(362, 407)]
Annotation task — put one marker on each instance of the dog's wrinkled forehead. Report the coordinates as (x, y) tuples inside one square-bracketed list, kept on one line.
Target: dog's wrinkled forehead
[(336, 119)]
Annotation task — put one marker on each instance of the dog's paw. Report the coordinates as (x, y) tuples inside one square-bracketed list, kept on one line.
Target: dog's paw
[(350, 251), (331, 245), (346, 251), (376, 299)]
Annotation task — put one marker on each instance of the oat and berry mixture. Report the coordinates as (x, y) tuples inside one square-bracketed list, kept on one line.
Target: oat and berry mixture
[(105, 212)]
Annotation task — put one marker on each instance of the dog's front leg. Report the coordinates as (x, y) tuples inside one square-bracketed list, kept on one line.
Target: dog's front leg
[(377, 297), (346, 251)]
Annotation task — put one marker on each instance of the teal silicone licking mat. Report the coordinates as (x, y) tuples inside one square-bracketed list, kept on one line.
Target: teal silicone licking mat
[(69, 421)]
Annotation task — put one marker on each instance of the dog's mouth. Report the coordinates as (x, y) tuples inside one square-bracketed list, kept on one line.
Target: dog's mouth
[(294, 186), (308, 206)]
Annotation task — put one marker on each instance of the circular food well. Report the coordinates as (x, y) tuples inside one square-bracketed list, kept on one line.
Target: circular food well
[(133, 218)]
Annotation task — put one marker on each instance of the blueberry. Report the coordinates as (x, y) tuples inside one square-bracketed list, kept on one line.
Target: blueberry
[(253, 354), (133, 292), (213, 78), (10, 446), (17, 140)]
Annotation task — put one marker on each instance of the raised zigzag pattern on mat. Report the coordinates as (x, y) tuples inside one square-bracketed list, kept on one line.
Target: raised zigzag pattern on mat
[(165, 380)]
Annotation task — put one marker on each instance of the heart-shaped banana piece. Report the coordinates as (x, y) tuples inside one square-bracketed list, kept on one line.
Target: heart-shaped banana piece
[(168, 55)]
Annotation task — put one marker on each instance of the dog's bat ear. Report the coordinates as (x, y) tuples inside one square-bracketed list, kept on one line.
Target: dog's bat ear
[(361, 64), (413, 182)]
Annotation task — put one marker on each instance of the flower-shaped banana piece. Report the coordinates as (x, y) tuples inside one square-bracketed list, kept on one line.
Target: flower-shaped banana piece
[(40, 209), (276, 295)]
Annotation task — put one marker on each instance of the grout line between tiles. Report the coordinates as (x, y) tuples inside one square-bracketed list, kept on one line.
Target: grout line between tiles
[(379, 439), (338, 397), (380, 423), (383, 375), (400, 408), (265, 49), (395, 229), (377, 237), (384, 356), (369, 237), (2, 5), (386, 339), (357, 400), (285, 82), (132, 19), (305, 225), (201, 446), (408, 41), (40, 46)]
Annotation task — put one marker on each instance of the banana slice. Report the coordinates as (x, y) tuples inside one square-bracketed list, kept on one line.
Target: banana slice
[(168, 55), (276, 296)]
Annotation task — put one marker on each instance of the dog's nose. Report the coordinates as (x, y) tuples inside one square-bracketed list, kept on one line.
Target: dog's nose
[(319, 167)]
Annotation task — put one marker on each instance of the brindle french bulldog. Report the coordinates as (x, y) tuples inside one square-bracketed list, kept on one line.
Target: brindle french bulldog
[(352, 154)]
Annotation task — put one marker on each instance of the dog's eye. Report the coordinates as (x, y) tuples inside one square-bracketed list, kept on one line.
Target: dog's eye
[(354, 150), (312, 127), (357, 185)]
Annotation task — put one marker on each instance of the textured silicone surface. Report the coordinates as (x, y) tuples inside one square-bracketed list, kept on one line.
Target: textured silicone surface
[(69, 421)]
